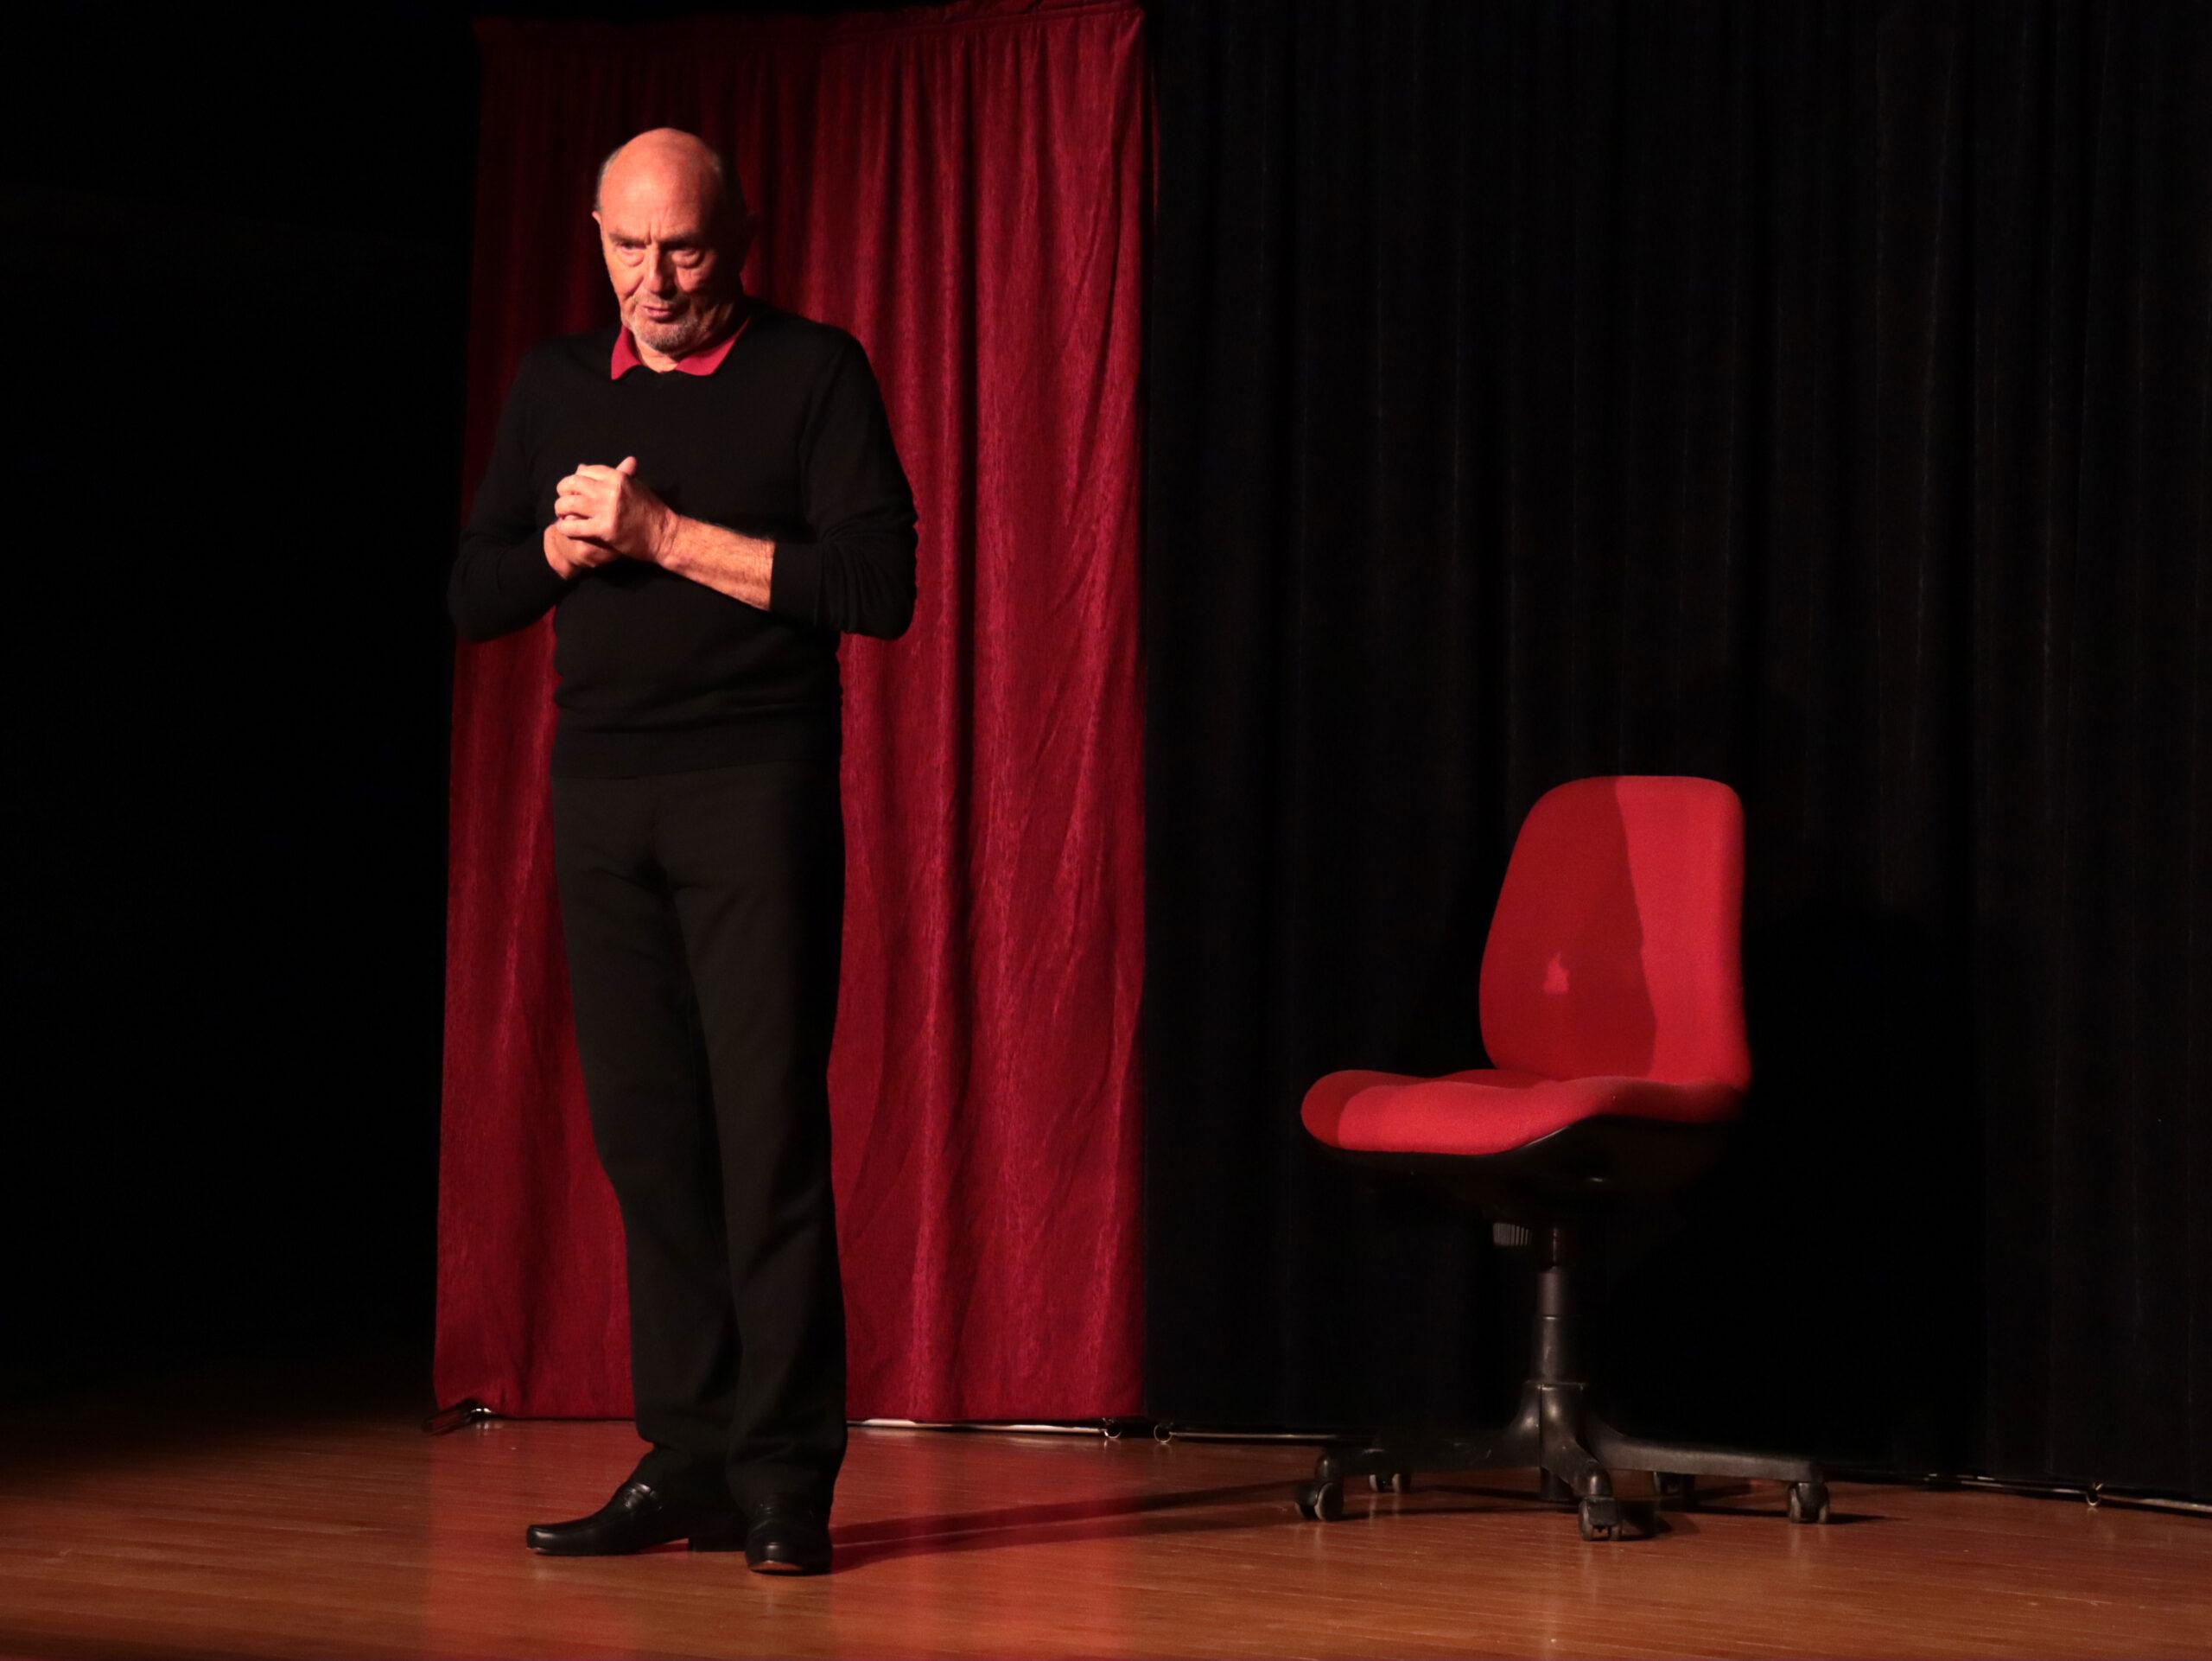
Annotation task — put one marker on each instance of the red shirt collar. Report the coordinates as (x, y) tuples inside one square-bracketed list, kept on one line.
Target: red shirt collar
[(704, 361)]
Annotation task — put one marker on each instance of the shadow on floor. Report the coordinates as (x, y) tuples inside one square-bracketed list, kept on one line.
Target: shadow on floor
[(1252, 1506)]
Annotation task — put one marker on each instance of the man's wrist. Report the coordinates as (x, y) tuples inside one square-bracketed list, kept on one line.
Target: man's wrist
[(666, 548)]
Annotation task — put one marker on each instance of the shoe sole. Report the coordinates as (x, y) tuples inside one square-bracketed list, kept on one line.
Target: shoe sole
[(712, 1538)]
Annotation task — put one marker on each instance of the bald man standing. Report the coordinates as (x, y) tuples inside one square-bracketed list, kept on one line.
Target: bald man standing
[(706, 496)]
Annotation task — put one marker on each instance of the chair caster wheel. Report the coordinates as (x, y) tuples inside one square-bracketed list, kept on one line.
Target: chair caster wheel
[(1391, 1481), (1600, 1518), (1674, 1485), (1808, 1502), (1321, 1502)]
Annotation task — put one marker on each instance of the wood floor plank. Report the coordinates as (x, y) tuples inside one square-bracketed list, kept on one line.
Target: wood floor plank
[(168, 1530)]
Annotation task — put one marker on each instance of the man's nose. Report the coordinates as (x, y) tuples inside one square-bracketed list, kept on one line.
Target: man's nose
[(660, 273)]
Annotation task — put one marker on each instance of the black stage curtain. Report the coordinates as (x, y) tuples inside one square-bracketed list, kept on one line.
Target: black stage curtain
[(1813, 397)]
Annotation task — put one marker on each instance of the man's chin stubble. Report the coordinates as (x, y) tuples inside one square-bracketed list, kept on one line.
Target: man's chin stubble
[(672, 340)]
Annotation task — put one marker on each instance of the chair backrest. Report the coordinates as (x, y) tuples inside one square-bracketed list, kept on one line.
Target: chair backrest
[(1617, 949)]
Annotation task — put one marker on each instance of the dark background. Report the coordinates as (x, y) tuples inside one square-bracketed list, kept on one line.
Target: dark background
[(1813, 396), (236, 265), (1810, 396)]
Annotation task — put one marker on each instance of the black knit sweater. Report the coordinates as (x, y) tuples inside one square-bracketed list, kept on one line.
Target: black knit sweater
[(787, 441)]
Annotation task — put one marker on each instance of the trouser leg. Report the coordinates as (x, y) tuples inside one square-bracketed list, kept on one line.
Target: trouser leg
[(755, 861), (641, 1048)]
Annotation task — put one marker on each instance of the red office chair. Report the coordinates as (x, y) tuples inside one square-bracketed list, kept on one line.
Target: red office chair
[(1612, 1005)]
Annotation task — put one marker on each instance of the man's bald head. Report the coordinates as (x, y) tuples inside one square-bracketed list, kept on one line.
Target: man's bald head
[(673, 229), (669, 160)]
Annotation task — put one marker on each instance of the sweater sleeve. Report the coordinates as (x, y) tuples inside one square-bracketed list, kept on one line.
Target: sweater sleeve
[(857, 573), (501, 581)]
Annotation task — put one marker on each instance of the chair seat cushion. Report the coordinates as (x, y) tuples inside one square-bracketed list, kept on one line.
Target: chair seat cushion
[(1491, 1110)]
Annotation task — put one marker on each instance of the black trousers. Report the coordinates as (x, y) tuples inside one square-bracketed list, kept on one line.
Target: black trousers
[(702, 914)]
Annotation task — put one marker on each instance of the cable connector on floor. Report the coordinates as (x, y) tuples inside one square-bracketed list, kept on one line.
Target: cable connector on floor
[(462, 1414)]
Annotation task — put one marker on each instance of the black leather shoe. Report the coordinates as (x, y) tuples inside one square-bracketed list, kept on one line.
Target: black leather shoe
[(786, 1536), (639, 1516)]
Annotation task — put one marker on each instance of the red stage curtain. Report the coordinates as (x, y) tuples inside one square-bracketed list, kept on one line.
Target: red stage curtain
[(964, 189)]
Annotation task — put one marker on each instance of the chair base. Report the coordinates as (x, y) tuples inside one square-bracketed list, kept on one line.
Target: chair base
[(1555, 1430), (1575, 1452)]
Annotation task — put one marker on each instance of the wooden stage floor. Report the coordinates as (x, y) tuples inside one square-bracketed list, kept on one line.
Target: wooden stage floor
[(255, 1517)]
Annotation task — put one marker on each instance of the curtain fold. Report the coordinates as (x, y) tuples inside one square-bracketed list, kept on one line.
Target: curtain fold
[(964, 188), (1812, 396)]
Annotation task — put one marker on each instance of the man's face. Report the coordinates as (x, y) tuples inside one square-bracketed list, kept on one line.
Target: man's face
[(659, 234)]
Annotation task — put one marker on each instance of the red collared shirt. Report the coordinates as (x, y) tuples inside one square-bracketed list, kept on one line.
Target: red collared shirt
[(704, 361)]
